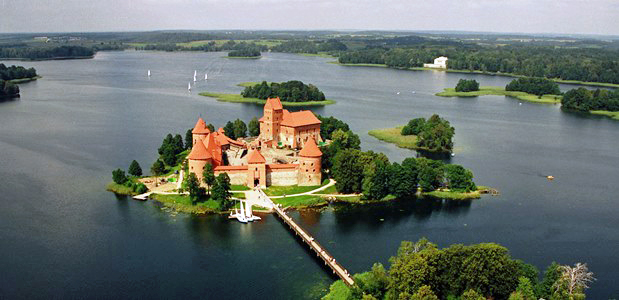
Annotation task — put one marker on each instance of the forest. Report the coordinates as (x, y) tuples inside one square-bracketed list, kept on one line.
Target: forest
[(534, 85), (290, 91), (582, 99), (8, 89), (53, 52), (434, 134), (245, 52), (16, 72)]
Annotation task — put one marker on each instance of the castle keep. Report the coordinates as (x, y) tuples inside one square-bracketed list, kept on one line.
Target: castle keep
[(285, 153)]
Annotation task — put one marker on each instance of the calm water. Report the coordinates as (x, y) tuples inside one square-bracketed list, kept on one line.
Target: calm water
[(63, 236)]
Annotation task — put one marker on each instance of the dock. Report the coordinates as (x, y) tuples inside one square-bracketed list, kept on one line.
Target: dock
[(320, 250)]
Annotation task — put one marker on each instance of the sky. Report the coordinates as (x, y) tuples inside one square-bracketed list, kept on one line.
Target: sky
[(523, 16)]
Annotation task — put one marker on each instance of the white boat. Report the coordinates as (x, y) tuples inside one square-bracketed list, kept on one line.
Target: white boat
[(148, 73), (189, 86), (249, 215), (205, 76), (195, 73), (241, 215)]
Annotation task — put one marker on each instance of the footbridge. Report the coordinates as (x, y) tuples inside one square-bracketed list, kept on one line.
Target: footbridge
[(320, 250)]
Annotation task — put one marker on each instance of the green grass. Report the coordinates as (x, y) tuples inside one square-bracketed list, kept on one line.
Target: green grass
[(120, 189), (23, 80), (301, 201), (237, 98), (392, 135), (453, 195), (495, 90), (251, 83), (319, 54), (240, 195), (291, 189), (612, 114), (328, 191), (182, 203), (235, 187)]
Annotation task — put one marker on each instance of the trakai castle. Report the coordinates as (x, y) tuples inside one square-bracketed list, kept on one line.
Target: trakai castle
[(285, 153)]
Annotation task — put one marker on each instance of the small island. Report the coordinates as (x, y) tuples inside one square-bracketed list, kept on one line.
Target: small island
[(538, 90), (598, 102), (247, 52), (10, 76), (432, 135), (291, 93)]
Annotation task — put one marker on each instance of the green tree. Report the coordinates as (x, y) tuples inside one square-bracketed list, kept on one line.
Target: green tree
[(240, 129), (229, 130), (376, 180), (178, 144), (208, 176), (467, 85), (403, 178), (414, 127), (551, 275), (119, 176), (135, 169), (424, 293), (188, 139), (524, 291), (412, 267), (459, 178), (210, 127), (430, 174), (471, 294), (254, 127), (348, 171), (221, 191), (193, 186), (157, 169), (345, 140)]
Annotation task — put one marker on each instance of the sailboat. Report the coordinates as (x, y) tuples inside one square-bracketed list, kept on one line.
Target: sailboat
[(248, 214), (148, 73), (189, 86), (241, 216), (205, 76)]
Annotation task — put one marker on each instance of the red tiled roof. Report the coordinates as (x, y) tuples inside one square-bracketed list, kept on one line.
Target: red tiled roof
[(299, 118), (200, 127), (255, 157), (273, 103), (199, 152), (310, 149)]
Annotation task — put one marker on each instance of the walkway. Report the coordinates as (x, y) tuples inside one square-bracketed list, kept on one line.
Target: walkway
[(322, 188), (321, 252)]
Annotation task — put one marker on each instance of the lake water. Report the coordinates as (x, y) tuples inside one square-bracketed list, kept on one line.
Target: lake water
[(63, 236)]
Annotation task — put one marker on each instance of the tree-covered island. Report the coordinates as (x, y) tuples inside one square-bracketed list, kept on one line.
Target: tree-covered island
[(433, 135), (10, 76), (291, 93), (539, 90), (599, 102), (246, 52)]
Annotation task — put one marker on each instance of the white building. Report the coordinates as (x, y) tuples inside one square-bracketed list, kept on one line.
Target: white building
[(439, 62)]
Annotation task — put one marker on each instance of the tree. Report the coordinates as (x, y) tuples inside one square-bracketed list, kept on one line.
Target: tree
[(210, 127), (188, 139), (135, 169), (240, 129), (459, 178), (119, 176), (414, 127), (524, 291), (208, 176), (157, 169), (575, 280), (167, 141), (193, 186), (403, 178), (254, 127), (229, 130), (467, 85), (545, 288), (424, 293), (376, 180), (178, 144), (221, 191), (430, 174), (471, 294), (345, 140), (330, 124), (348, 171)]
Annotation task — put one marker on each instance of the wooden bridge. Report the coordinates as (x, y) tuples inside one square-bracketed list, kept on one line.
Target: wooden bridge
[(321, 252)]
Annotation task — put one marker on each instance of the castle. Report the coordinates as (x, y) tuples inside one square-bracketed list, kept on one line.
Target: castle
[(273, 158)]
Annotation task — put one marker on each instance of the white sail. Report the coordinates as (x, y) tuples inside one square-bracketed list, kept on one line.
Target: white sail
[(189, 86), (148, 73), (248, 214), (194, 78), (195, 73), (205, 76)]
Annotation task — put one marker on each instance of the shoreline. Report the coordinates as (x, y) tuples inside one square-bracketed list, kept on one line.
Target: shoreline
[(24, 80), (243, 57), (499, 91), (49, 58), (237, 98), (557, 80), (392, 136)]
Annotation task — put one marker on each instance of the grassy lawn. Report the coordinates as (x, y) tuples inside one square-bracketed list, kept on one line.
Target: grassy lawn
[(182, 203), (23, 80), (328, 191), (301, 201), (454, 195), (495, 90), (251, 83), (240, 195), (120, 189), (319, 54), (392, 135), (235, 187), (237, 98), (612, 114), (288, 190)]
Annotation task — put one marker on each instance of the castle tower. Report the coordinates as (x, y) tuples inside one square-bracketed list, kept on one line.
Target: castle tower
[(256, 169), (273, 115), (310, 164), (200, 131), (198, 158)]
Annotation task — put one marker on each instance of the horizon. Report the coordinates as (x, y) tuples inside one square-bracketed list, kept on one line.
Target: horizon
[(570, 17)]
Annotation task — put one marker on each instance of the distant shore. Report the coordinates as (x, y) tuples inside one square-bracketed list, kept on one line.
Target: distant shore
[(237, 98)]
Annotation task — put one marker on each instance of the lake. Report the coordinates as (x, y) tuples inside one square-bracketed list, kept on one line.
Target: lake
[(64, 236)]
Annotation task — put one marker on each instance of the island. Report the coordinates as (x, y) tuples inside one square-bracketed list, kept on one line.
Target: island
[(291, 93), (536, 90), (10, 76), (433, 135), (598, 102), (297, 159), (246, 52)]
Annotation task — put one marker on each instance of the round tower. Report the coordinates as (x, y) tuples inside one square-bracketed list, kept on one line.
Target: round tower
[(310, 164), (200, 131)]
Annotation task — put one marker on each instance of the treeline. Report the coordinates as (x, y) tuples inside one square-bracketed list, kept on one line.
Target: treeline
[(16, 72), (245, 52), (421, 270), (290, 91), (211, 46), (46, 52), (582, 99), (312, 47), (8, 89), (534, 85), (434, 134), (583, 64), (467, 85), (130, 180)]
